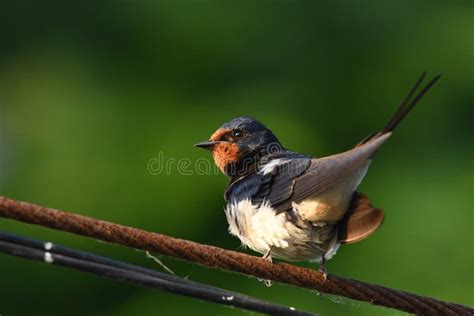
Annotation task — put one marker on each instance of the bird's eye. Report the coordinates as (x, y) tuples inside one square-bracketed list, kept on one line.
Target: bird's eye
[(237, 133)]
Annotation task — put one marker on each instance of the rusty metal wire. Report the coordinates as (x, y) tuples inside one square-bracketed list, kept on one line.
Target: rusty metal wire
[(227, 260)]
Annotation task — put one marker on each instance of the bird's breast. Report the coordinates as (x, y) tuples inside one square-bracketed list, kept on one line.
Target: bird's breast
[(257, 226), (261, 228)]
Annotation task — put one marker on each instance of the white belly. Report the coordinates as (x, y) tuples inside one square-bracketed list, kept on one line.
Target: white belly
[(257, 227), (261, 229)]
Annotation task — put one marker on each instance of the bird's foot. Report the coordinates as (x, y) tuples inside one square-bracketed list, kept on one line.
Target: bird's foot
[(268, 255), (322, 269)]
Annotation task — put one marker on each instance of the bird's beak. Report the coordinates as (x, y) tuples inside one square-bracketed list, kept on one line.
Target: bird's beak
[(207, 144)]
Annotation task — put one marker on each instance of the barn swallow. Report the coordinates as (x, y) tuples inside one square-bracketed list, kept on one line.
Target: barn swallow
[(292, 206)]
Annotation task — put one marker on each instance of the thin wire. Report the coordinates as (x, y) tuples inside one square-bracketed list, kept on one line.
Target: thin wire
[(113, 269), (228, 260)]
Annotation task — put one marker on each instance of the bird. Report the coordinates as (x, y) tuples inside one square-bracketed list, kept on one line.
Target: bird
[(292, 206)]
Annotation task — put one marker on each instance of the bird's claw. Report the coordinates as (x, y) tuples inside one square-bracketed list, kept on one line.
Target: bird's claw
[(268, 256), (322, 269)]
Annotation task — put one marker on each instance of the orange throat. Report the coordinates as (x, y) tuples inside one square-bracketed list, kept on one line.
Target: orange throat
[(224, 154)]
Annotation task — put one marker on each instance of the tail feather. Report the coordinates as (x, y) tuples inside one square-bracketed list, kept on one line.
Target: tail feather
[(361, 221), (409, 103), (362, 218), (406, 106)]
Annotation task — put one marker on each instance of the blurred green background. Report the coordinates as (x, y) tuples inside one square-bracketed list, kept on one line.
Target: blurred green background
[(91, 92)]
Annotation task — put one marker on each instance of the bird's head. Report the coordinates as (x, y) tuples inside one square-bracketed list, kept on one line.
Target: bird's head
[(237, 145)]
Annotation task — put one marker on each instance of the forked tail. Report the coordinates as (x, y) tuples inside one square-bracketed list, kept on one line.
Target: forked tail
[(363, 219), (407, 104)]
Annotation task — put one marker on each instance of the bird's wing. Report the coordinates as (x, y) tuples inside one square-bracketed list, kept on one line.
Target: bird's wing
[(323, 173), (274, 187), (302, 178)]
